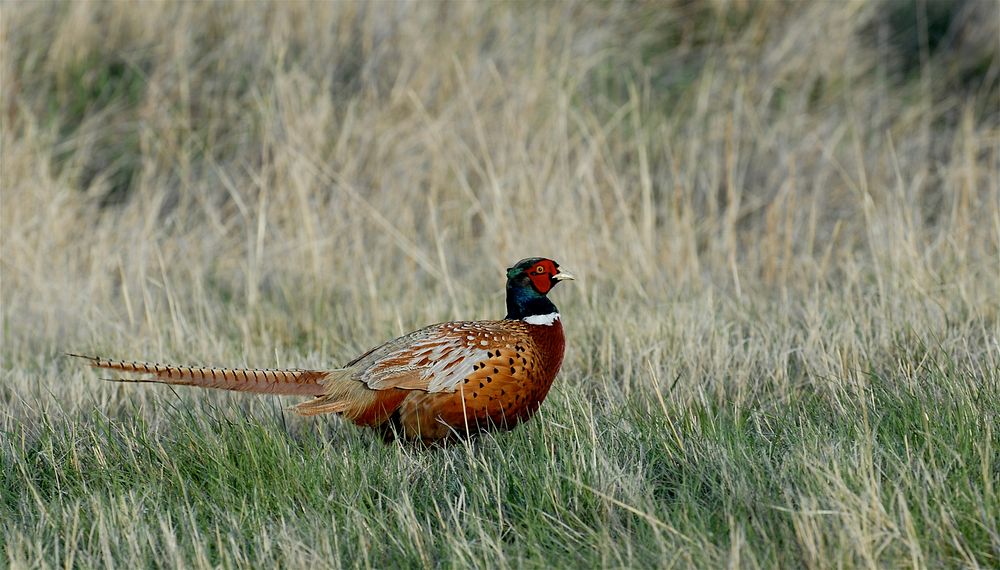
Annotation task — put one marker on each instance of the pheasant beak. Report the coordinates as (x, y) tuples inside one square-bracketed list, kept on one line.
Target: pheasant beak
[(563, 277)]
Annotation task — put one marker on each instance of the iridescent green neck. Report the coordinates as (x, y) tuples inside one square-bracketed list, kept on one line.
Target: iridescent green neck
[(524, 301)]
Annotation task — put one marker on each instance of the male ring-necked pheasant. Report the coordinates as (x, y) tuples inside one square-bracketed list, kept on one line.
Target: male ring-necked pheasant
[(445, 380)]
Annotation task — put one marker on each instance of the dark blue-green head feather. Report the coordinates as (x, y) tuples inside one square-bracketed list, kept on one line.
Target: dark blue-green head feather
[(528, 283)]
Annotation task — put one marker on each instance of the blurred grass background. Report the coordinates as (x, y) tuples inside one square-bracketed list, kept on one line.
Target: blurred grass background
[(785, 218)]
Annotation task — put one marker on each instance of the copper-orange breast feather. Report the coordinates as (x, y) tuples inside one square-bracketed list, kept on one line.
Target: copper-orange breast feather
[(443, 381)]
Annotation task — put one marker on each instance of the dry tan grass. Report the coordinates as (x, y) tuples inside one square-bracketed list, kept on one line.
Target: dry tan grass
[(755, 197)]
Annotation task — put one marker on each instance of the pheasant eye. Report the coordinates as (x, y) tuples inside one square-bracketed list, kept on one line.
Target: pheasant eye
[(539, 269)]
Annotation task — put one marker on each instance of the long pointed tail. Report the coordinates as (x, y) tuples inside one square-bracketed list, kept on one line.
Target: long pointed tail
[(287, 382)]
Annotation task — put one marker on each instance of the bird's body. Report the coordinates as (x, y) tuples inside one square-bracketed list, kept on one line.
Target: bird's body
[(444, 380)]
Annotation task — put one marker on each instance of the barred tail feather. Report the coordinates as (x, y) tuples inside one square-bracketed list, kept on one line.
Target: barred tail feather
[(285, 382)]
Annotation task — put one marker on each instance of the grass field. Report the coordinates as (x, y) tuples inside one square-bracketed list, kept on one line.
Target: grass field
[(782, 345)]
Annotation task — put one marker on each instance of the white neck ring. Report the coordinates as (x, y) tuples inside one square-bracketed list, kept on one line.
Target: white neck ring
[(546, 320)]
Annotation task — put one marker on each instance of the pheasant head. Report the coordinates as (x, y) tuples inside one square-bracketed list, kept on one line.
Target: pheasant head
[(528, 283)]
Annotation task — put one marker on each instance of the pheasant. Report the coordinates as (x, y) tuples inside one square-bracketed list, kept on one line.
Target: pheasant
[(443, 381)]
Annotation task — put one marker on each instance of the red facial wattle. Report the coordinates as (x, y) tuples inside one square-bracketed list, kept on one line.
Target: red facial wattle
[(541, 275)]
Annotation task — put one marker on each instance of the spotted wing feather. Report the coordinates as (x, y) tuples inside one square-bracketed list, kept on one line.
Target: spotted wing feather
[(434, 359)]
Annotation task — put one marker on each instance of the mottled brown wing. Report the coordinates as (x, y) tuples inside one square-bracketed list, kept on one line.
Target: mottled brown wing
[(441, 357), (502, 390)]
